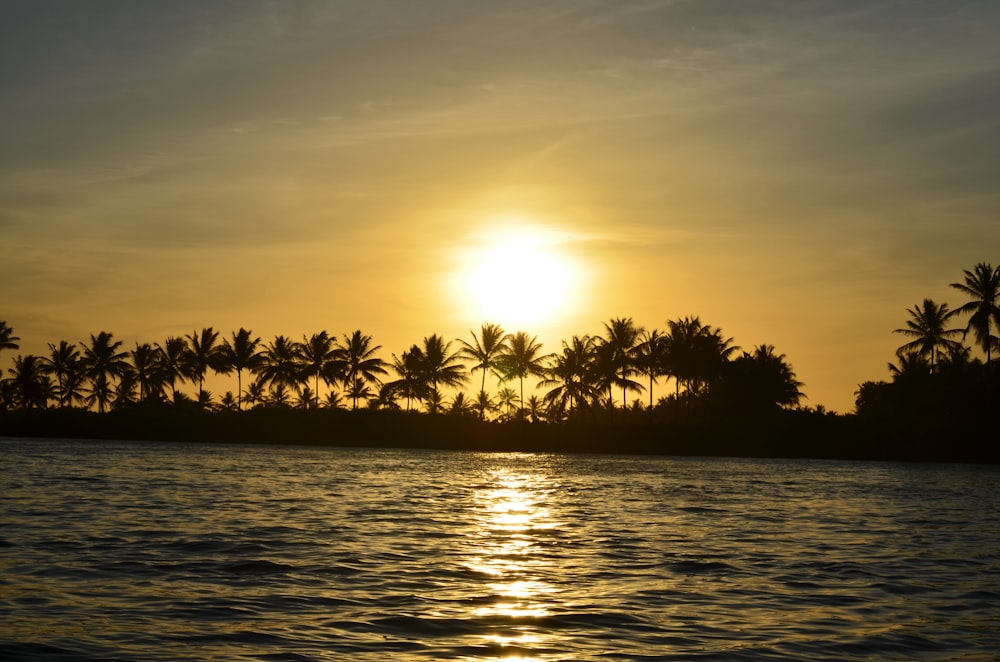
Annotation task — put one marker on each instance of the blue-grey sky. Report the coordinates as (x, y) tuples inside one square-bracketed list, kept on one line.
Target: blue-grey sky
[(795, 172)]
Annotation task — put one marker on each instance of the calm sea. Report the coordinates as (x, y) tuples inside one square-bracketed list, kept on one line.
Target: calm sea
[(155, 551)]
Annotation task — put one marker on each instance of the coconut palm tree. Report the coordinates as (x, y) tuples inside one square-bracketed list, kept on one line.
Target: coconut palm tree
[(521, 358), (507, 398), (649, 356), (175, 363), (356, 360), (103, 362), (571, 374), (280, 366), (485, 352), (241, 354), (441, 367), (63, 361), (927, 327), (317, 352), (205, 353), (30, 385), (620, 339), (146, 363), (696, 353), (762, 380), (410, 368), (982, 284), (7, 338)]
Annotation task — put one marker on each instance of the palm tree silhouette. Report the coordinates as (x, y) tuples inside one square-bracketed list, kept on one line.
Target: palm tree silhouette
[(927, 328), (696, 353), (410, 368), (440, 367), (485, 351), (29, 382), (7, 338), (280, 366), (572, 374), (317, 352), (507, 398), (63, 361), (204, 354), (621, 335), (522, 358), (146, 364), (650, 357), (982, 284), (356, 360), (175, 363), (764, 379), (102, 362), (239, 355)]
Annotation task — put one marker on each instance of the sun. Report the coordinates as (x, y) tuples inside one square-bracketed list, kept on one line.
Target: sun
[(517, 273)]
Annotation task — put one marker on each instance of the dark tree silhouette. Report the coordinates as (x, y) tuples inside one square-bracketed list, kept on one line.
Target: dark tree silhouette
[(103, 362), (761, 381), (440, 367), (30, 385), (64, 363), (205, 353), (280, 367), (241, 354), (146, 364), (620, 338), (175, 363), (650, 356), (410, 367), (521, 358), (485, 351), (927, 326), (357, 361), (571, 375), (696, 354), (318, 351), (7, 338), (982, 284)]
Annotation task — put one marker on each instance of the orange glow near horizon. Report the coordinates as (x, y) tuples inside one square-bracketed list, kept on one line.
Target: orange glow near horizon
[(517, 273)]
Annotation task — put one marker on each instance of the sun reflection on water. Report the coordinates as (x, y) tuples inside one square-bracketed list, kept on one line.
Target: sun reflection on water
[(512, 523)]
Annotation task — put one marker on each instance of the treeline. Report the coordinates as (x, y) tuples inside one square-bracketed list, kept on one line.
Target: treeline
[(936, 388), (591, 377)]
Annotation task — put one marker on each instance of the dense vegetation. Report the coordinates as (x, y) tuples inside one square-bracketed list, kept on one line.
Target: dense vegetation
[(938, 400)]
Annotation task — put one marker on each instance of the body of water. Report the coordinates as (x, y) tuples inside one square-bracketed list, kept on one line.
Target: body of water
[(155, 551)]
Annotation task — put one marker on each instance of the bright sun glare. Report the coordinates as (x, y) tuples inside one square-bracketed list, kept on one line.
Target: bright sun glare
[(518, 274)]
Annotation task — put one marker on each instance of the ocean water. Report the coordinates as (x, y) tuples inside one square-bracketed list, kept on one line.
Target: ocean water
[(155, 551)]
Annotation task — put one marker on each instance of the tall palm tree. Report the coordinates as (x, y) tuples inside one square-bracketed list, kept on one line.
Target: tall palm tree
[(175, 363), (927, 327), (356, 360), (441, 367), (763, 380), (7, 338), (650, 357), (697, 353), (205, 353), (522, 357), (621, 336), (485, 352), (241, 354), (410, 368), (317, 352), (147, 365), (103, 361), (280, 364), (63, 361), (571, 374), (30, 384), (982, 284)]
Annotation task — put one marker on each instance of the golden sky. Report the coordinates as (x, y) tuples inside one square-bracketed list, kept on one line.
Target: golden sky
[(796, 173)]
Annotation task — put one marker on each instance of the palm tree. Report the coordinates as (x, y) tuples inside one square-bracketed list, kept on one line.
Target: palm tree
[(621, 336), (982, 284), (522, 358), (485, 351), (571, 374), (63, 361), (763, 380), (356, 360), (650, 357), (317, 352), (507, 398), (440, 367), (7, 338), (410, 368), (927, 328), (146, 363), (102, 362), (204, 354), (696, 353), (31, 387), (174, 363), (239, 355), (280, 365)]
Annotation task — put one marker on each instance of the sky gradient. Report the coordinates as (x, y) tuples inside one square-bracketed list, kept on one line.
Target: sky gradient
[(797, 173)]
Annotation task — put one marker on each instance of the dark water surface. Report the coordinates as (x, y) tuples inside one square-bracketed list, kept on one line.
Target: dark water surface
[(155, 551)]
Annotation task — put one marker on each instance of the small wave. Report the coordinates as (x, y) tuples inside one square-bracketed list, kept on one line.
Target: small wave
[(256, 567)]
